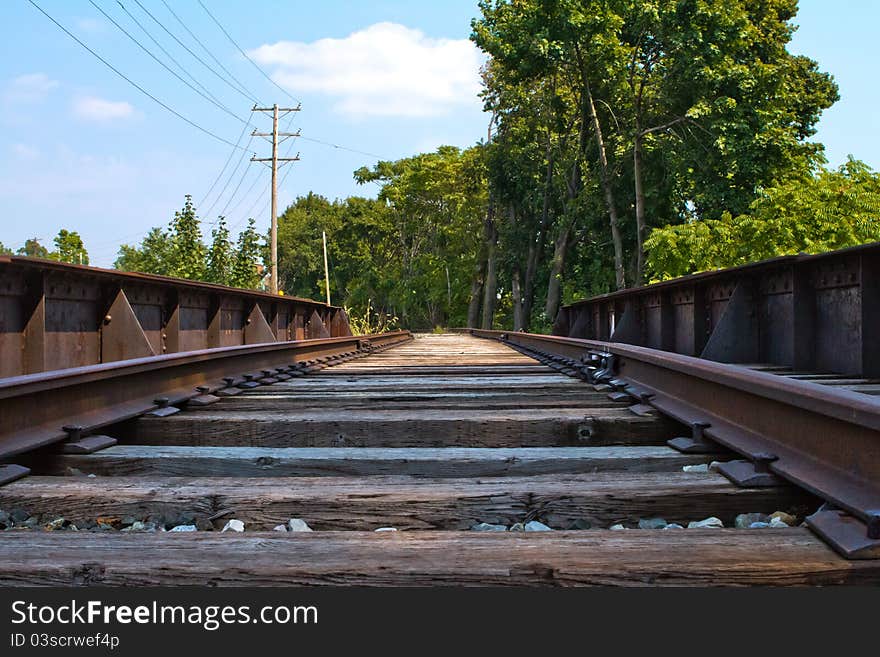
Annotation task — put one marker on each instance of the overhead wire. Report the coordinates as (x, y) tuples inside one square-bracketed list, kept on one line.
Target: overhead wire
[(166, 53), (256, 66), (241, 89), (132, 82), (226, 164), (217, 104), (207, 50)]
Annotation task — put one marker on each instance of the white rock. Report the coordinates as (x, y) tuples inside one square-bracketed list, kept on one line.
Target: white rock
[(233, 526), (759, 525), (777, 522), (488, 527), (279, 528), (298, 525), (714, 465), (617, 527), (535, 526), (184, 528), (712, 523), (91, 476), (387, 529), (517, 527), (703, 467), (673, 525)]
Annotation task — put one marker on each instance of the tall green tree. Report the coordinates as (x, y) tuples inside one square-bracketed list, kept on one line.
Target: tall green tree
[(220, 256), (4, 250), (33, 249), (248, 254), (69, 247), (187, 251)]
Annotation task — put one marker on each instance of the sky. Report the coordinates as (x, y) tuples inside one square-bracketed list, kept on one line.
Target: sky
[(82, 149)]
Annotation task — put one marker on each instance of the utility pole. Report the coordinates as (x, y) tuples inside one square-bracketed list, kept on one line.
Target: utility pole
[(273, 280)]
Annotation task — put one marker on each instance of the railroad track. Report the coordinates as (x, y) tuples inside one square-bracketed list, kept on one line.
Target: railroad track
[(438, 439)]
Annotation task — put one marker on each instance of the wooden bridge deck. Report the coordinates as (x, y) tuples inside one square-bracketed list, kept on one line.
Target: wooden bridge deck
[(430, 438)]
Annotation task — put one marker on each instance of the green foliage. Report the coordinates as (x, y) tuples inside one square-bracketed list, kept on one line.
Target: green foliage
[(33, 249), (803, 214), (221, 255), (409, 254), (698, 104), (4, 250), (187, 253), (69, 247), (370, 320), (179, 251), (245, 265)]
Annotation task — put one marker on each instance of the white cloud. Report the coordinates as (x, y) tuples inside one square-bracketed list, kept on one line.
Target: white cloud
[(25, 152), (92, 108), (29, 88), (386, 69), (91, 25)]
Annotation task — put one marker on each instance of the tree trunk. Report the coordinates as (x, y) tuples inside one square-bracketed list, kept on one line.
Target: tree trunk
[(640, 209), (473, 315), (516, 293), (536, 246), (554, 286), (490, 286), (608, 192)]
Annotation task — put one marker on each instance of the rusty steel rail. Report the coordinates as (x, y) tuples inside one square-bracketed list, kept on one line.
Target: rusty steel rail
[(817, 313), (35, 408), (821, 438), (55, 315)]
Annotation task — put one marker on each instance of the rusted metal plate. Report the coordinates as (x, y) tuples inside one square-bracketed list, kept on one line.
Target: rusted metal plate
[(817, 312), (52, 316)]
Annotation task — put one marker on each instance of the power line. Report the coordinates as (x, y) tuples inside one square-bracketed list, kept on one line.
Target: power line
[(231, 176), (163, 64), (166, 53), (256, 66), (222, 212), (342, 148), (241, 89), (132, 82), (223, 170)]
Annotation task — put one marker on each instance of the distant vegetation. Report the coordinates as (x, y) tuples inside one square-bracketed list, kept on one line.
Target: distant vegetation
[(69, 247)]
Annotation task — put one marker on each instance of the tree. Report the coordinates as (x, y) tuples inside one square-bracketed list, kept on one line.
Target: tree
[(4, 250), (69, 247), (153, 256), (33, 249), (810, 213), (248, 253), (187, 251), (220, 255)]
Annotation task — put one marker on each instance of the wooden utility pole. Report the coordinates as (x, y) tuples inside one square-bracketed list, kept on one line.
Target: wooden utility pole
[(273, 241), (326, 269)]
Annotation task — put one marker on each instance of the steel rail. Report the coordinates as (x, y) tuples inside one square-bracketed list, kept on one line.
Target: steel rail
[(35, 408), (821, 438)]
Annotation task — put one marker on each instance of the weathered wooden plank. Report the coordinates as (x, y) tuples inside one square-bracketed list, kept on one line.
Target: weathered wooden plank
[(633, 558), (333, 503), (316, 382), (128, 460), (405, 399), (410, 369), (415, 428)]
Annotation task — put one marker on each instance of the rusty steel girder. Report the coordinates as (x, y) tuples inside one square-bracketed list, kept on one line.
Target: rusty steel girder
[(55, 315), (36, 408), (816, 313), (822, 438)]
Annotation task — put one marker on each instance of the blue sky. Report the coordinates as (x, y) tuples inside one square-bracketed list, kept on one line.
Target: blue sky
[(82, 149)]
